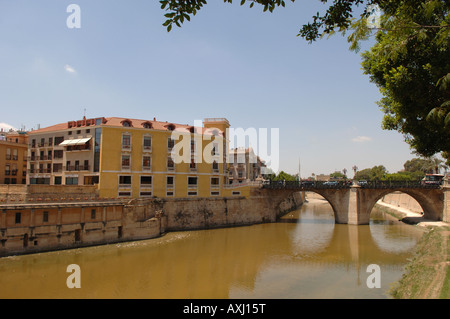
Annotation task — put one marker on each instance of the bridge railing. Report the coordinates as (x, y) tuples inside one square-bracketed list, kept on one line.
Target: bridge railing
[(397, 184), (305, 184)]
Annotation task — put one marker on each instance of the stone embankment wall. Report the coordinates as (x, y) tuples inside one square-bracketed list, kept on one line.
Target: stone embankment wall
[(402, 200), (37, 227)]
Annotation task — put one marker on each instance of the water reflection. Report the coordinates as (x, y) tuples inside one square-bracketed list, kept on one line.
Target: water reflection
[(305, 255)]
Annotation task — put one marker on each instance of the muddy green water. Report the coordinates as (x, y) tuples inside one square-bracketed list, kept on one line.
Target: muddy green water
[(304, 255)]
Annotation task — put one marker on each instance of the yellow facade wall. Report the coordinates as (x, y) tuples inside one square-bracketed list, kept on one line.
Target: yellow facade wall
[(111, 168)]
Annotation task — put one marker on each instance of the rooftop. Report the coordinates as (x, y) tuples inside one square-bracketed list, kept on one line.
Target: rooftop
[(126, 122)]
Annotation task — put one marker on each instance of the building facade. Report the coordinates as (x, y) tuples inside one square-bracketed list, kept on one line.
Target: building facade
[(244, 166), (13, 157), (131, 158)]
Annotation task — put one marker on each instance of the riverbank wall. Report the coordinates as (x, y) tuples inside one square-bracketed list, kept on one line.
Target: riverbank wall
[(55, 225)]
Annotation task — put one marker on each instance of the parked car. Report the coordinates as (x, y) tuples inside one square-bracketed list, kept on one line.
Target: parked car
[(331, 183), (362, 182)]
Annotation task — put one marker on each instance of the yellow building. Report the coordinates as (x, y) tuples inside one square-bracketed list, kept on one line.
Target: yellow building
[(13, 157), (131, 158)]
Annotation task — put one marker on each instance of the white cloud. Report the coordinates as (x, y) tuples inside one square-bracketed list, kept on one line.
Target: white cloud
[(69, 69), (361, 139), (6, 127)]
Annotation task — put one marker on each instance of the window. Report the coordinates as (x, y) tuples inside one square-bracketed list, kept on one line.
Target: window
[(57, 168), (14, 156), (215, 193), (169, 193), (57, 154), (193, 165), (18, 218), (193, 147), (147, 143), (215, 182), (50, 141), (192, 181), (170, 164), (124, 194), (126, 141), (71, 180), (146, 162), (45, 217), (58, 140), (93, 212), (69, 133), (169, 181), (215, 166), (125, 180), (215, 149), (145, 194), (58, 180), (125, 161), (170, 143), (146, 180)]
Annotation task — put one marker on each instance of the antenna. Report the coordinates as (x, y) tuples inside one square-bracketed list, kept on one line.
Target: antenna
[(84, 115)]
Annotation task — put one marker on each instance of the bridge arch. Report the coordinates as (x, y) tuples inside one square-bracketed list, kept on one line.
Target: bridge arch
[(430, 200)]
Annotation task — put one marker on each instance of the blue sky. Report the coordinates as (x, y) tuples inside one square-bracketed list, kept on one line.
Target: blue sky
[(229, 61)]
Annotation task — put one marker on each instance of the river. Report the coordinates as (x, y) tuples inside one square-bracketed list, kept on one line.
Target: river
[(304, 255)]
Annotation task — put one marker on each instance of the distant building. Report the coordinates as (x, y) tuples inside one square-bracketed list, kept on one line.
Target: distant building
[(244, 165), (131, 157), (13, 157)]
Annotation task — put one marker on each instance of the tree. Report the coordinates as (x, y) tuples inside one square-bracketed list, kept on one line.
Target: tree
[(423, 165), (411, 67), (338, 175), (376, 173)]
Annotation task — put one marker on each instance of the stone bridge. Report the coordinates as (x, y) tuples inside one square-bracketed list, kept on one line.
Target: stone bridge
[(352, 204)]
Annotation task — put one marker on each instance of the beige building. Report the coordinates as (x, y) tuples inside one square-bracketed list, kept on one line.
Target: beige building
[(13, 157), (244, 165)]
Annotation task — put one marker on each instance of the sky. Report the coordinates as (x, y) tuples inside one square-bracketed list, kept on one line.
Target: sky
[(229, 61)]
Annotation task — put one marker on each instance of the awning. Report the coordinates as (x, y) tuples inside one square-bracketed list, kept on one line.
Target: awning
[(79, 141)]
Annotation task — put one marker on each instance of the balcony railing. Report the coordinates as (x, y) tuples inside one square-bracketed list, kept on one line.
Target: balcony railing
[(75, 168)]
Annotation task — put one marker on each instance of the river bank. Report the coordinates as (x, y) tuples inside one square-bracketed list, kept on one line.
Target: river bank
[(427, 275)]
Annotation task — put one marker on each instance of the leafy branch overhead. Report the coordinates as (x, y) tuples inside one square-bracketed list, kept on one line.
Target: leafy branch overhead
[(338, 15)]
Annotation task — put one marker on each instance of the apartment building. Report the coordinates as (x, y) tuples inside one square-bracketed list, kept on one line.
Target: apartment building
[(132, 157), (13, 157), (244, 165)]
